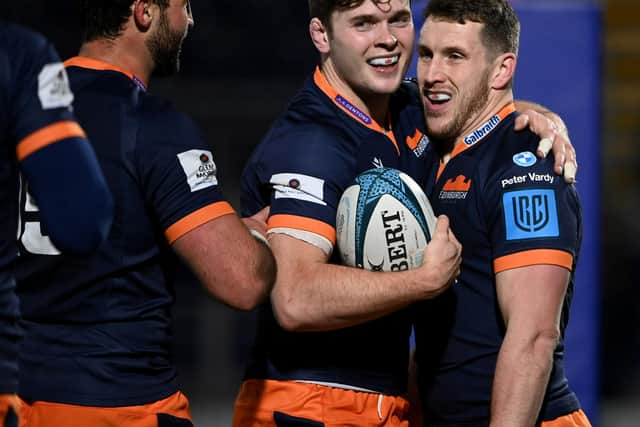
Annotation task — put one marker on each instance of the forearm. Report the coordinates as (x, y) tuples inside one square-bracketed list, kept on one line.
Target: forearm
[(560, 126), (328, 296), (312, 295), (521, 378)]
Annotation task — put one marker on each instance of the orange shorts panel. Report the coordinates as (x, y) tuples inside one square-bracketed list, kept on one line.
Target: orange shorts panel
[(47, 414), (259, 401), (9, 408), (574, 419)]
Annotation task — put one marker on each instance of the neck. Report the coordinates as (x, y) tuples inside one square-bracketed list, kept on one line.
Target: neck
[(493, 105), (130, 55), (374, 105)]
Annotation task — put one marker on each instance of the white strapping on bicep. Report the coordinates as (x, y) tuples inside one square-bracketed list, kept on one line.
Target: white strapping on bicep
[(314, 239)]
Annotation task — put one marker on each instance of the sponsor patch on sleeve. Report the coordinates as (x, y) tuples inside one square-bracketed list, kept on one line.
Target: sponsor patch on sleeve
[(530, 214), (53, 87), (199, 168), (298, 186)]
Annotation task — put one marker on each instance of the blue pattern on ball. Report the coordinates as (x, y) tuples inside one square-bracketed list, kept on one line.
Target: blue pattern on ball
[(375, 183)]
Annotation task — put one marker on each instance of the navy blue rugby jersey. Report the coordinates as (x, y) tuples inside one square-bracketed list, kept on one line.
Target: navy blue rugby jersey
[(509, 210), (34, 113), (301, 168), (98, 328)]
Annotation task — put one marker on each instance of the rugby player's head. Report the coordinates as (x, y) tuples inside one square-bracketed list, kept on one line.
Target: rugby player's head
[(501, 27), (467, 54), (365, 47), (163, 24)]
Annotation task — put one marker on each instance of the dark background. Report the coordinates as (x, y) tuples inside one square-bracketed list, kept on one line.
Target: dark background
[(241, 63)]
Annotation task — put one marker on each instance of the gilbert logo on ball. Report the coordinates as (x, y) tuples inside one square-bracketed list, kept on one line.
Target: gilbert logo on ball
[(384, 221)]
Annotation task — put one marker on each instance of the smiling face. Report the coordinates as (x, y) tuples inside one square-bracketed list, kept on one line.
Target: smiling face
[(455, 76), (367, 49)]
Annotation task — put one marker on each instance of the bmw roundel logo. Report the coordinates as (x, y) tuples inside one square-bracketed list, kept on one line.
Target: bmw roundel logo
[(525, 159)]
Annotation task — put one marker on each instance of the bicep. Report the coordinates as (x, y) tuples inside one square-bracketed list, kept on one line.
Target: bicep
[(293, 254), (532, 295), (217, 241)]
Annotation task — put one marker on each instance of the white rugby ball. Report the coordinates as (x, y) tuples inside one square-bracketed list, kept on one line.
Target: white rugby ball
[(384, 222)]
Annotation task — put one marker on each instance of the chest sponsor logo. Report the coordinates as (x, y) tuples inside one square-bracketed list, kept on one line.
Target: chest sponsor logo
[(377, 162), (530, 177), (418, 143), (525, 159), (530, 214), (455, 189), (298, 186), (199, 168), (54, 90)]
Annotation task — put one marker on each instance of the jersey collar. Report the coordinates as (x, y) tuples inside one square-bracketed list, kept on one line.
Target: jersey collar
[(479, 134), (348, 107), (94, 64)]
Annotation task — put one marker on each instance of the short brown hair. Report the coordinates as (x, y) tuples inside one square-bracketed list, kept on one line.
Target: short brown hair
[(322, 9), (501, 32)]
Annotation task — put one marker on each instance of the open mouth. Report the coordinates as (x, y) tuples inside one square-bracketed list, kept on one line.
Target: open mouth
[(438, 98), (387, 61)]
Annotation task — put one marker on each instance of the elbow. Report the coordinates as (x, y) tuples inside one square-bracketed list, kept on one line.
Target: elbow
[(248, 288), (289, 313), (261, 281), (546, 341), (85, 232)]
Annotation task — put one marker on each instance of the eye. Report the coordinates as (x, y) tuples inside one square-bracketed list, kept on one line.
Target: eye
[(363, 24), (456, 56), (400, 21), (424, 54)]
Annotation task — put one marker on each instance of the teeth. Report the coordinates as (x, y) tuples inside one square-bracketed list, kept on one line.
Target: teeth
[(384, 61), (439, 97)]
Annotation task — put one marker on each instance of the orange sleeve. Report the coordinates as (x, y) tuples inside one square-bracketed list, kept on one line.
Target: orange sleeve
[(197, 218), (534, 257), (48, 135)]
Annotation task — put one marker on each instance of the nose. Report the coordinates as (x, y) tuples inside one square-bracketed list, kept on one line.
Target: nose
[(190, 19), (386, 38), (430, 70)]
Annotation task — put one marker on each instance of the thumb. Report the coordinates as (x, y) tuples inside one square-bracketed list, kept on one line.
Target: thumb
[(442, 227)]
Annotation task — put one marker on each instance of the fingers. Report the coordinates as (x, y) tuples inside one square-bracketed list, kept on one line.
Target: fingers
[(544, 146), (442, 227), (551, 139), (263, 215), (571, 170), (522, 122), (570, 166)]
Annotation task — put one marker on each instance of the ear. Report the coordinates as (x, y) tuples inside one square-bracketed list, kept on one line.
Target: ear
[(319, 35), (505, 68), (143, 14)]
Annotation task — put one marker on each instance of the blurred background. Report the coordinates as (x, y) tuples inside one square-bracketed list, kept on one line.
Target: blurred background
[(244, 59)]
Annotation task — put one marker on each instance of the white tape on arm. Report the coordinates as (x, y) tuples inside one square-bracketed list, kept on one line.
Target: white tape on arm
[(258, 236)]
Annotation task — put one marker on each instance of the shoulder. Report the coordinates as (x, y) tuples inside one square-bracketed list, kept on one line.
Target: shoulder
[(508, 148), (25, 52), (159, 115), (16, 38), (303, 142)]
